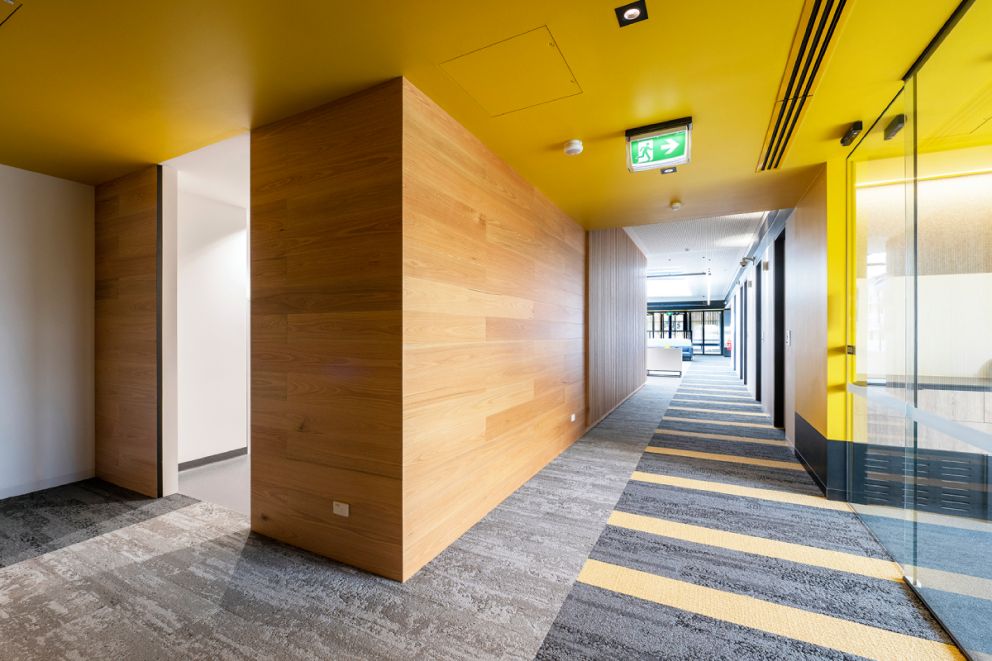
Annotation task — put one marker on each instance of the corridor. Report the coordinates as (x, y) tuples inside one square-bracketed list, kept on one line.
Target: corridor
[(721, 546)]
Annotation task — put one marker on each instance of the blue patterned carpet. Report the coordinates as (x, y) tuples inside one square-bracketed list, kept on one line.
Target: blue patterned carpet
[(722, 547)]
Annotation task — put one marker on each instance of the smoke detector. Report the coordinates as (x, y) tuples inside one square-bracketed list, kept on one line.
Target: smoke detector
[(573, 148)]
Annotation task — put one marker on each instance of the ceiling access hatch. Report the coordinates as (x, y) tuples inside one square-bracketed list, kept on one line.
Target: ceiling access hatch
[(7, 9), (517, 73)]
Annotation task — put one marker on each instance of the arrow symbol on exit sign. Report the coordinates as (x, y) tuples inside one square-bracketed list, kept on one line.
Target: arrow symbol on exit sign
[(670, 146)]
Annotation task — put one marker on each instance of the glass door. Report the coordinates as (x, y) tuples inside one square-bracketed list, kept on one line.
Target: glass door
[(921, 264), (696, 331), (712, 327), (881, 253)]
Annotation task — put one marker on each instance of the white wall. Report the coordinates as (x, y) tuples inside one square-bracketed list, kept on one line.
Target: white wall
[(212, 298), (212, 326), (168, 312), (46, 331)]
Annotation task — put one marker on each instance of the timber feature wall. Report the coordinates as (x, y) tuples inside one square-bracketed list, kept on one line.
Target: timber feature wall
[(326, 329), (617, 307), (128, 437), (417, 330), (493, 346)]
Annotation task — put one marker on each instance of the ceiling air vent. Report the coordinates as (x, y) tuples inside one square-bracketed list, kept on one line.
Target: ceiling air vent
[(818, 25)]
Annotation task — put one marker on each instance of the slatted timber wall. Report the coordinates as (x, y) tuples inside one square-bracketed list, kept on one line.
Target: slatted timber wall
[(326, 281), (617, 309), (493, 346), (128, 406)]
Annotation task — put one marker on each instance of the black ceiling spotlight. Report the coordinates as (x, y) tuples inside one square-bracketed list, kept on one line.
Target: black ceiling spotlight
[(895, 126), (635, 12), (669, 170), (852, 132)]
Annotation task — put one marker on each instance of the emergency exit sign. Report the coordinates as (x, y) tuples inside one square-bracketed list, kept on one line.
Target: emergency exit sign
[(659, 145)]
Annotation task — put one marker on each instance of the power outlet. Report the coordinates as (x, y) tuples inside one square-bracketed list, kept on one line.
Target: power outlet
[(573, 417), (342, 509)]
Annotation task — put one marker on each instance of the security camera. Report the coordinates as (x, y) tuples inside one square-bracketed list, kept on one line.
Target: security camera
[(744, 262)]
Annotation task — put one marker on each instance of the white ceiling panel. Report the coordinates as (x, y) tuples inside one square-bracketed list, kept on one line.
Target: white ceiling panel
[(695, 245)]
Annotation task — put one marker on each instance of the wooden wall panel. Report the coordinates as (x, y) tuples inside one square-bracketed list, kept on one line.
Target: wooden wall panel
[(806, 304), (128, 433), (493, 352), (326, 261), (617, 308)]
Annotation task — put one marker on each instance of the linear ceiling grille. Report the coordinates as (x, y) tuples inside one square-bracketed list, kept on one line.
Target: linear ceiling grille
[(818, 26)]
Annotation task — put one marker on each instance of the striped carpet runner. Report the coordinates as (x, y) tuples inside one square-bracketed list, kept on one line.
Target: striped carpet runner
[(721, 546)]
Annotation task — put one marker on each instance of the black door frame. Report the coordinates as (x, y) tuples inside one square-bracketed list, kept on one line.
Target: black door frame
[(759, 272), (778, 414), (744, 331)]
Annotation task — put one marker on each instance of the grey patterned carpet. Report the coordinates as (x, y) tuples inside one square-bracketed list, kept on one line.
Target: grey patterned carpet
[(722, 547), (88, 571)]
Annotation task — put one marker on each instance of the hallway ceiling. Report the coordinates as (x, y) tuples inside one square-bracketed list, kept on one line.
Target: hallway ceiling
[(93, 90), (693, 246)]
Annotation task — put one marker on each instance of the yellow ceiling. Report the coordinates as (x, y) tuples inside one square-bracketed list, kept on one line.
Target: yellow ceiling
[(95, 89)]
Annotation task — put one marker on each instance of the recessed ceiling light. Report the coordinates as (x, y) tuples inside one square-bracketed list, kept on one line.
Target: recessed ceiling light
[(632, 13)]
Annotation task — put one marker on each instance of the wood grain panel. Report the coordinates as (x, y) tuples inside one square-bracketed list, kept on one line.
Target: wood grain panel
[(418, 336), (617, 307), (127, 332), (326, 244), (493, 347), (806, 304)]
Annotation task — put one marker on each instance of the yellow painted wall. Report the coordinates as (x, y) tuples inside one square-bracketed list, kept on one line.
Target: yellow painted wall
[(837, 300)]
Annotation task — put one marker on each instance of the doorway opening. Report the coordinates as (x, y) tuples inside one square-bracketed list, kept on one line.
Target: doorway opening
[(778, 279), (759, 331), (208, 399)]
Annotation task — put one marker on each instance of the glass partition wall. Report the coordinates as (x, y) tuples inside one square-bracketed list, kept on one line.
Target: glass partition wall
[(920, 230), (704, 328)]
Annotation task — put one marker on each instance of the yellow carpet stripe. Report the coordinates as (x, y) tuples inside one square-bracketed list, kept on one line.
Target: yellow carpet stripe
[(740, 392), (769, 548), (795, 623), (729, 458), (719, 422), (971, 586), (746, 492), (933, 518), (721, 411), (746, 399), (724, 437), (690, 399)]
